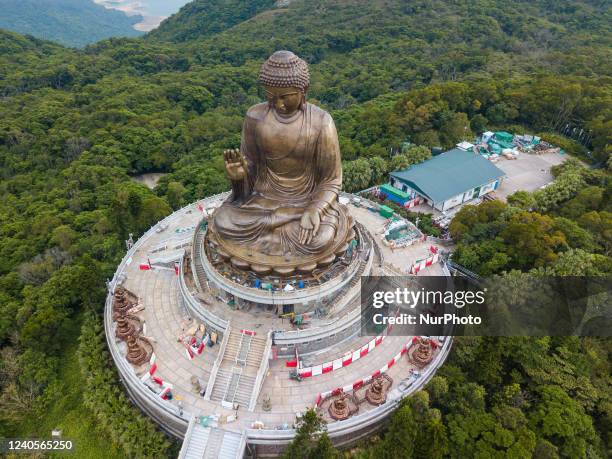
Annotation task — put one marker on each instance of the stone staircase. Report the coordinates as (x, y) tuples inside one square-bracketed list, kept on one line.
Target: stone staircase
[(215, 441), (197, 261), (194, 445), (237, 373), (231, 386), (211, 443)]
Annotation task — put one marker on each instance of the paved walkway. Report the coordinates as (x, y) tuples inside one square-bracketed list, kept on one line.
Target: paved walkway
[(528, 172), (400, 259), (164, 316)]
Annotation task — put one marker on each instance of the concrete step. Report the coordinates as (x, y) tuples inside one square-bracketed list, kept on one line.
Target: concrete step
[(232, 387), (230, 447), (221, 382), (197, 442), (244, 391), (213, 448)]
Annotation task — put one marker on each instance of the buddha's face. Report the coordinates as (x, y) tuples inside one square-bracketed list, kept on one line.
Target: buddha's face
[(286, 101)]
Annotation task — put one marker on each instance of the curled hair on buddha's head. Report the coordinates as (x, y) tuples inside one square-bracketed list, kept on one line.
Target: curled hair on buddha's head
[(283, 69)]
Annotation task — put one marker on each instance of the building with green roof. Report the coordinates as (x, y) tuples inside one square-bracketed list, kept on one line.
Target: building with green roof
[(449, 179)]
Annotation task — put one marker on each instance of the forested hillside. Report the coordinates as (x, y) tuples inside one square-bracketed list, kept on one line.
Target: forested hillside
[(205, 18), (76, 124), (70, 22)]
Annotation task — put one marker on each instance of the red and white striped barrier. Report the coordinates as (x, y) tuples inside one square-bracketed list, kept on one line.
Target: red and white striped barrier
[(421, 265), (414, 202), (248, 332), (156, 379), (344, 361), (360, 382), (194, 348), (293, 363), (146, 266), (189, 352), (152, 368)]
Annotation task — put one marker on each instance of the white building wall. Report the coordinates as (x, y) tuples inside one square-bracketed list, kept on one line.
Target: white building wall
[(487, 188), (452, 202), (398, 184)]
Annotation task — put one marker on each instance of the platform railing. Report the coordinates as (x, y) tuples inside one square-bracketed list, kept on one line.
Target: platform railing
[(333, 327), (195, 249), (175, 420), (171, 418), (261, 373), (304, 295), (215, 370), (196, 308), (359, 423)]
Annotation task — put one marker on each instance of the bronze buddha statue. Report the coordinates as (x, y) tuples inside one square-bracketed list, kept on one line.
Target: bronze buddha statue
[(283, 214)]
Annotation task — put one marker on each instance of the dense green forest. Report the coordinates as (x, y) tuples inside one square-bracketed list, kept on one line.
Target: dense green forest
[(74, 23), (75, 125)]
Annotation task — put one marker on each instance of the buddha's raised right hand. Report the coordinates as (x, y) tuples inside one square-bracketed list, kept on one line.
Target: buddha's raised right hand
[(235, 164)]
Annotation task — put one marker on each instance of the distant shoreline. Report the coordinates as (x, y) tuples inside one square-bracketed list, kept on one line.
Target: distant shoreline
[(133, 8)]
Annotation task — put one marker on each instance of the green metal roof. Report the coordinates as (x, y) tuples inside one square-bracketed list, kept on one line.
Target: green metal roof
[(385, 211), (504, 136), (386, 188), (449, 174)]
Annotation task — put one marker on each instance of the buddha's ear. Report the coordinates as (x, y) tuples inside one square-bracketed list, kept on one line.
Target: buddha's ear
[(303, 105)]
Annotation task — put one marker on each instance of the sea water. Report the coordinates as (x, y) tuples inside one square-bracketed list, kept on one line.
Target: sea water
[(152, 11), (162, 7)]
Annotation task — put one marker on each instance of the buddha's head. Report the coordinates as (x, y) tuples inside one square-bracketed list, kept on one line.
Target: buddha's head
[(285, 78)]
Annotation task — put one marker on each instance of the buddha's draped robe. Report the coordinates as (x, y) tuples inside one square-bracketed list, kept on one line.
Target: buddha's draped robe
[(292, 164)]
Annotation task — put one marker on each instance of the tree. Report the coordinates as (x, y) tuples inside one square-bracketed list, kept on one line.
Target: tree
[(356, 175), (175, 194), (126, 425), (310, 441), (531, 240), (437, 388), (562, 421), (502, 113), (578, 262), (399, 440), (417, 154), (399, 162), (478, 123), (565, 187), (454, 127), (428, 138), (378, 167), (590, 198), (600, 224), (577, 237), (522, 199)]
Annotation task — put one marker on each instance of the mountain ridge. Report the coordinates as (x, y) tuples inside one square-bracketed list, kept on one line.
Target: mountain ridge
[(75, 23)]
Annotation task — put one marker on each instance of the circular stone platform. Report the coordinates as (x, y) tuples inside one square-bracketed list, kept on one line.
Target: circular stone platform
[(225, 356), (305, 289)]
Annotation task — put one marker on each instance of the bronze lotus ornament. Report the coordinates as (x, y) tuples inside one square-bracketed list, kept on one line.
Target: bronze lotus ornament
[(283, 215)]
